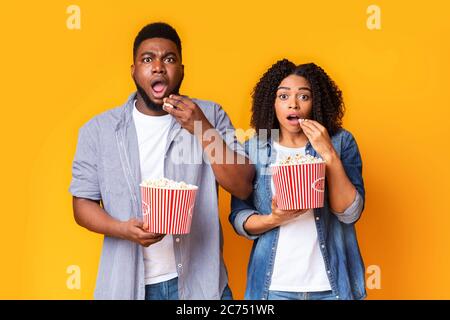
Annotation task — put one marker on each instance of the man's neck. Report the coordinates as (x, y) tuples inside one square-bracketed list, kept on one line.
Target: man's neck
[(142, 108)]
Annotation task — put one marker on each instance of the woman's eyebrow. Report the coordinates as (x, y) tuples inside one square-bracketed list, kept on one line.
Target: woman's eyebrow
[(300, 88)]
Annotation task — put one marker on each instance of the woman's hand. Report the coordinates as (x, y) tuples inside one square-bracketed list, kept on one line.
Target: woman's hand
[(319, 138), (341, 191), (280, 217), (260, 223)]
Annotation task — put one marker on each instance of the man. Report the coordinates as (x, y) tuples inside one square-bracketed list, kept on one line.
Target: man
[(157, 133)]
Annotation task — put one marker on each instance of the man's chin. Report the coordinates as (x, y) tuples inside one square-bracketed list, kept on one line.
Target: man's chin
[(157, 102)]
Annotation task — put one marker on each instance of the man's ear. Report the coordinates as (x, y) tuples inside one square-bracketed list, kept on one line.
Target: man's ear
[(132, 71), (182, 72)]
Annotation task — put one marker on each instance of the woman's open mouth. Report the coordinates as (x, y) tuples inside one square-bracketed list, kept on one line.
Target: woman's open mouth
[(159, 88), (293, 119)]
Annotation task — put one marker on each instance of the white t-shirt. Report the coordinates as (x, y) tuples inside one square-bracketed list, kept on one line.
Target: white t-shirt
[(152, 133), (299, 265)]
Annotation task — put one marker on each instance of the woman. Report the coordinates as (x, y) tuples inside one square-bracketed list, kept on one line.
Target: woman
[(302, 254)]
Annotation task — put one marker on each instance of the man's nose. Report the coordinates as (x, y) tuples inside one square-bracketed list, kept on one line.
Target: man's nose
[(158, 67)]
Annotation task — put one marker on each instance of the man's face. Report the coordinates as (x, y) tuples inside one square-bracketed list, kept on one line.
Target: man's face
[(157, 70)]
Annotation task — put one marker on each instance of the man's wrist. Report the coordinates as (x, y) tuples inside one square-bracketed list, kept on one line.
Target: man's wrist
[(119, 229), (205, 127)]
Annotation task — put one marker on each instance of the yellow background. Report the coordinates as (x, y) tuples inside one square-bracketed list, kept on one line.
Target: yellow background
[(395, 84)]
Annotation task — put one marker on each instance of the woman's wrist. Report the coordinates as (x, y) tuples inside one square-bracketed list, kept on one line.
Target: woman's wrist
[(272, 221), (331, 158)]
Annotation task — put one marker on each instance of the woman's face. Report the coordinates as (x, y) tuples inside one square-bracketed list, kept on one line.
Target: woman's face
[(293, 102)]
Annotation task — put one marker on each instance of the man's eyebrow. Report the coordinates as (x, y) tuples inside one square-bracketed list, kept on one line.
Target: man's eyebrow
[(147, 53), (152, 53)]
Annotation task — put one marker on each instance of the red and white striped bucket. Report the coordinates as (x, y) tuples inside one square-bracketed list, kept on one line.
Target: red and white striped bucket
[(168, 211), (299, 186)]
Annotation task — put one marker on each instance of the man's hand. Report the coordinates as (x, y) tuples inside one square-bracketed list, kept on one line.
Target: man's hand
[(133, 230), (232, 170), (186, 112)]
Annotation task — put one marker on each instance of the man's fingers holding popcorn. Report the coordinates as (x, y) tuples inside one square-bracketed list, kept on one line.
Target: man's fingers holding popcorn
[(186, 112), (176, 102)]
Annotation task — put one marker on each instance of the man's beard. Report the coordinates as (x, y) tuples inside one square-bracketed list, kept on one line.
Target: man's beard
[(148, 102)]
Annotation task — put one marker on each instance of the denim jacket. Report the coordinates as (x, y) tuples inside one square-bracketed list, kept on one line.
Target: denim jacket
[(336, 232)]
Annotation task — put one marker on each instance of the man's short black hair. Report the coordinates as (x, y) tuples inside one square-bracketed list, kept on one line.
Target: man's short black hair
[(157, 30)]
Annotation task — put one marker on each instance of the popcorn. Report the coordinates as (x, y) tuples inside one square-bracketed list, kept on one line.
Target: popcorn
[(299, 182), (165, 183), (298, 159)]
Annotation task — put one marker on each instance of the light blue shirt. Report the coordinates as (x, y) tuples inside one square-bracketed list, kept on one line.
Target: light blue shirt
[(106, 167)]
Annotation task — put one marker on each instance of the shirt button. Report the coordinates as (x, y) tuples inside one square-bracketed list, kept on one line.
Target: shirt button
[(322, 246), (177, 239), (317, 218), (328, 271), (180, 265), (337, 297)]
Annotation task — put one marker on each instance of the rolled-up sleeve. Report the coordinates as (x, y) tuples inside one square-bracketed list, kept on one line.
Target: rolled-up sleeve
[(84, 182), (353, 212), (241, 218)]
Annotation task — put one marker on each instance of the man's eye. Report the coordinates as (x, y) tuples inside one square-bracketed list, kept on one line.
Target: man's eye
[(283, 96), (303, 97), (170, 60), (147, 60)]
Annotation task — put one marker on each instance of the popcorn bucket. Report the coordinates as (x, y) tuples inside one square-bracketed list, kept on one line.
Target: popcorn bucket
[(168, 211), (299, 186)]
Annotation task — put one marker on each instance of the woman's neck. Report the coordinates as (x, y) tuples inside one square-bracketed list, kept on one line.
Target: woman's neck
[(292, 140)]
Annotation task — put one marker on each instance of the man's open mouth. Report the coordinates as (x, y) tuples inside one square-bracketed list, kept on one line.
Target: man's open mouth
[(159, 88)]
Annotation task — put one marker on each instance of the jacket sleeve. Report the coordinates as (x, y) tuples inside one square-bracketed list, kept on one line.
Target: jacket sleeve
[(241, 210), (84, 182), (351, 160)]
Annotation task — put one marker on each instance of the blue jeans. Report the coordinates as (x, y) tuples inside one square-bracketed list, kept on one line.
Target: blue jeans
[(284, 295), (168, 290)]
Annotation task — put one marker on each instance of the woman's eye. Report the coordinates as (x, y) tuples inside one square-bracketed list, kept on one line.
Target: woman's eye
[(304, 97), (283, 96), (147, 60)]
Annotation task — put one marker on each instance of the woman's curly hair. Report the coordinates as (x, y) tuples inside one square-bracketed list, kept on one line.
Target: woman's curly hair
[(327, 103)]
